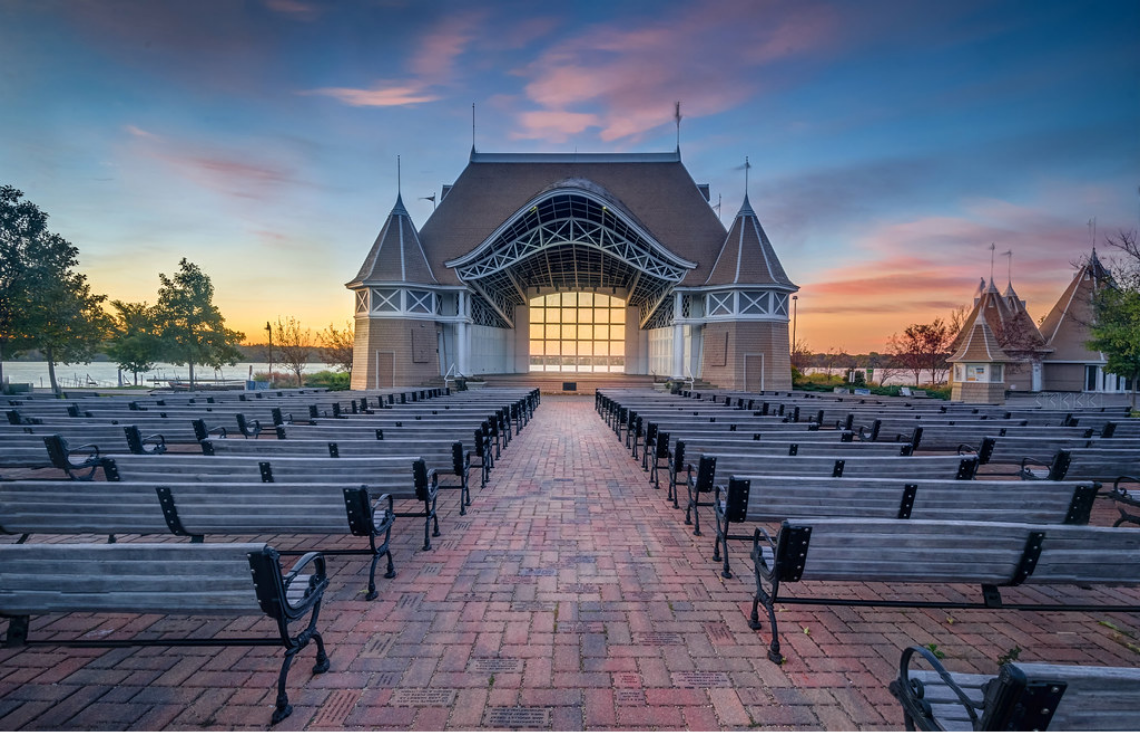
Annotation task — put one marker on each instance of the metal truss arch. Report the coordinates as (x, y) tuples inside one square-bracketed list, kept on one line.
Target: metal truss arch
[(573, 238)]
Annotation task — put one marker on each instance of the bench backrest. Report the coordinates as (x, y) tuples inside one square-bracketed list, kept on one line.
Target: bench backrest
[(134, 578), (774, 498), (987, 553), (1037, 696), (846, 466)]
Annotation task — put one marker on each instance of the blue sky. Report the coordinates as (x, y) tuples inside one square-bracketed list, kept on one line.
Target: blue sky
[(891, 142)]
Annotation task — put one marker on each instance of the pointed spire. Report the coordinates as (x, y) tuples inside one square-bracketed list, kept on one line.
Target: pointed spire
[(397, 254), (747, 257)]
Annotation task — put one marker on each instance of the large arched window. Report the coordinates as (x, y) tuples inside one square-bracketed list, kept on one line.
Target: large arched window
[(577, 331)]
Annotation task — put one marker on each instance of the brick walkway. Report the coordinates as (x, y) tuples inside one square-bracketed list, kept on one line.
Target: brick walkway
[(570, 597)]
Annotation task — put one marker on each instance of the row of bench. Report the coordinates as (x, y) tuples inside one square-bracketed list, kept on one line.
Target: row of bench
[(298, 491), (898, 523)]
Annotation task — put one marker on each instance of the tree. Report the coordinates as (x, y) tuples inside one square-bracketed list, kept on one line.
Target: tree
[(923, 347), (44, 303), (191, 327), (24, 257), (135, 345), (63, 319), (294, 344), (1116, 330), (801, 354), (339, 345)]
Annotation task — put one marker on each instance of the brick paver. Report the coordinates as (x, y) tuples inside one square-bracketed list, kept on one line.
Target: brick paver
[(570, 596)]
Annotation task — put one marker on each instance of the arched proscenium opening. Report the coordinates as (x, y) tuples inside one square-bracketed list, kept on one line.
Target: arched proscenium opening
[(571, 238)]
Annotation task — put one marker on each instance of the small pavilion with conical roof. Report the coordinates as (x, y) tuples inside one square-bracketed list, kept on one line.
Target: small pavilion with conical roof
[(979, 367), (1052, 357), (573, 264), (1015, 333)]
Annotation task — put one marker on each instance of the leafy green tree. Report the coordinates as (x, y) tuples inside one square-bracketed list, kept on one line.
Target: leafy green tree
[(23, 228), (65, 321), (191, 327), (44, 303), (135, 344), (1116, 307)]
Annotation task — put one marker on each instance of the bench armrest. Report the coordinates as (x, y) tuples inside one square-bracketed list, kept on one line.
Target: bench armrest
[(382, 516), (910, 692), (1121, 494), (315, 583), (1026, 471), (159, 442)]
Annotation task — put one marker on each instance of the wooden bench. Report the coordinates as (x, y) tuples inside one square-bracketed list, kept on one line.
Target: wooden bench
[(834, 447), (404, 479), (915, 467), (893, 552), (198, 510), (446, 459), (1021, 696), (183, 579), (773, 498)]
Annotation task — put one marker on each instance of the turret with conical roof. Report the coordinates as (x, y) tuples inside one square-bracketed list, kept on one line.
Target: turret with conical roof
[(747, 257), (397, 256)]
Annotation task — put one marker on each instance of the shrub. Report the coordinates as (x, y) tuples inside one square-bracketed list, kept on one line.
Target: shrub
[(331, 380)]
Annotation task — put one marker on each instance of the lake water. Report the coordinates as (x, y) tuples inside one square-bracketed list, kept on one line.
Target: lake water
[(104, 374)]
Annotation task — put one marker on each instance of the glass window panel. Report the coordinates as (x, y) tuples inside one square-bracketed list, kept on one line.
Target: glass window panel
[(577, 332)]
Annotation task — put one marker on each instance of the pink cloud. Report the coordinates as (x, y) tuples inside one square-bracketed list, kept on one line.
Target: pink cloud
[(435, 57), (140, 132), (916, 271), (555, 126), (233, 173), (392, 96), (633, 76), (432, 65)]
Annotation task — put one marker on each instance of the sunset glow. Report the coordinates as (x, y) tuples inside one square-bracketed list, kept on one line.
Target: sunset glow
[(891, 143)]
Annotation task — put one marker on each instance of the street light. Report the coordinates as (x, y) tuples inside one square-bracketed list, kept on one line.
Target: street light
[(795, 312), (269, 330)]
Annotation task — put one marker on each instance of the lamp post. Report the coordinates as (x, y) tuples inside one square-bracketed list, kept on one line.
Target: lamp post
[(269, 330), (795, 313)]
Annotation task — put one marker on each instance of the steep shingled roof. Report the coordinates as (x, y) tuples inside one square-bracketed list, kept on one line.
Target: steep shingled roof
[(1065, 328), (1012, 326), (656, 188), (980, 346), (397, 254), (747, 257)]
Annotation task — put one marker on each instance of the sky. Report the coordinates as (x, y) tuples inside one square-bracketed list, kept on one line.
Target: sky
[(891, 143)]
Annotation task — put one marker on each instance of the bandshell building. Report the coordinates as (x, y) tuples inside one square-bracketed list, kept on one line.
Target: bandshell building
[(580, 265)]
